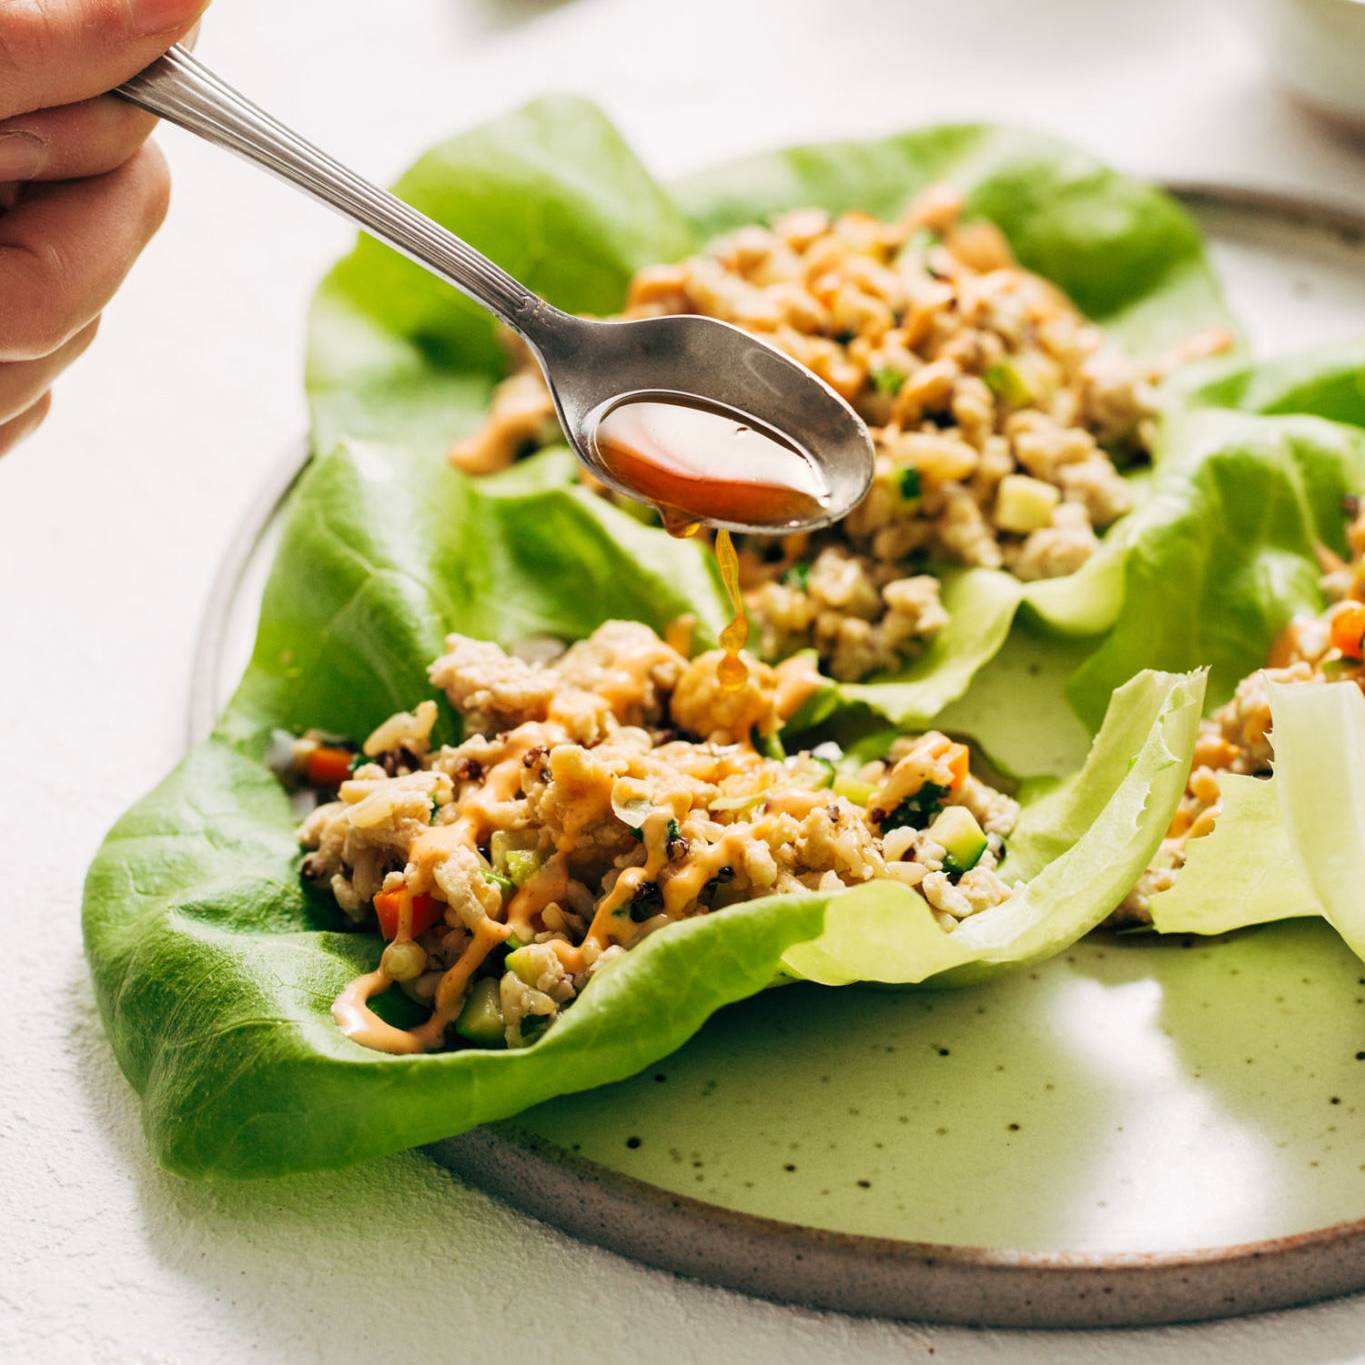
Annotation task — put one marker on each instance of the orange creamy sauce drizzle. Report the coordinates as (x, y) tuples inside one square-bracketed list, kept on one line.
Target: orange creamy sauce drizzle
[(490, 803)]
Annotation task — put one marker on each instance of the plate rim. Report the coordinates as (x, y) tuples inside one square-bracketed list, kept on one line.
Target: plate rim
[(825, 1268)]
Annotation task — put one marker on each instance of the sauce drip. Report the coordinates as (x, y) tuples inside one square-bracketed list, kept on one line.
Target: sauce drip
[(701, 464), (731, 670), (698, 464)]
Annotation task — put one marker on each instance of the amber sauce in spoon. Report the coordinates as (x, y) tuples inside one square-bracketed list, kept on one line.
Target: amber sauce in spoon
[(697, 464)]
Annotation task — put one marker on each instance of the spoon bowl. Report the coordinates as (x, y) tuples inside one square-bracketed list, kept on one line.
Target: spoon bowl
[(772, 404), (594, 367)]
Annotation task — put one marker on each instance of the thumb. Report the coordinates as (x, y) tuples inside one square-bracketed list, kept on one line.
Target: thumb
[(60, 51)]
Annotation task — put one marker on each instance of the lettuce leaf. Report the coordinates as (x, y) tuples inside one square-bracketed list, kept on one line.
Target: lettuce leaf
[(1324, 381), (215, 967), (386, 549), (1078, 849), (1292, 844), (1319, 744), (1127, 254), (1245, 872), (552, 193), (1223, 552)]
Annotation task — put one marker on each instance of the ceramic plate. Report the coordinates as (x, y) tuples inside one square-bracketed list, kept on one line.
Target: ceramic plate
[(1135, 1132)]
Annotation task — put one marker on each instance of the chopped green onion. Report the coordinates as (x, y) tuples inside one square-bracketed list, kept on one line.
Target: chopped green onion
[(798, 576), (917, 810), (1005, 381), (503, 883), (910, 483), (770, 746), (888, 381)]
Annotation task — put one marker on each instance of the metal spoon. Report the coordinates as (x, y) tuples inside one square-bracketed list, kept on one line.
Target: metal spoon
[(591, 367)]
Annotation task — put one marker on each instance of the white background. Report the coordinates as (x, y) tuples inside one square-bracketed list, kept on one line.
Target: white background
[(112, 522)]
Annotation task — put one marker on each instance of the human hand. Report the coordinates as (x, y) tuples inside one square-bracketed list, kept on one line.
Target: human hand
[(80, 195)]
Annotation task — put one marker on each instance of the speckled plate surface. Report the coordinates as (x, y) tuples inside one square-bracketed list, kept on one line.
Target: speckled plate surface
[(1135, 1132)]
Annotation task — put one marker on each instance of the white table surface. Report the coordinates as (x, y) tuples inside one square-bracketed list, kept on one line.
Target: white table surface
[(112, 522)]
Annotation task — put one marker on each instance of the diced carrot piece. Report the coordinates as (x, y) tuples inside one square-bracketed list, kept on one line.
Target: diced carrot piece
[(389, 906), (328, 767), (957, 758), (1348, 628)]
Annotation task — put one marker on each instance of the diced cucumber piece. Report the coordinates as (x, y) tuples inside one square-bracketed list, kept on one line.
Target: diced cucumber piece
[(481, 1018), (860, 793), (504, 841), (962, 838), (1024, 504), (524, 963), (742, 802), (522, 864)]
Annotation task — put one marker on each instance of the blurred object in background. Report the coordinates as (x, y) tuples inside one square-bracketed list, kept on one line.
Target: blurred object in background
[(1316, 49)]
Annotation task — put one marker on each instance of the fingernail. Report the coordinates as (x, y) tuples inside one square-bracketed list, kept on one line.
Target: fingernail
[(21, 156), (160, 16)]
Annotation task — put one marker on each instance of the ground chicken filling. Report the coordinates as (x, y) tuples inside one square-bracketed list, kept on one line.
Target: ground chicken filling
[(1000, 415), (1236, 737), (600, 796)]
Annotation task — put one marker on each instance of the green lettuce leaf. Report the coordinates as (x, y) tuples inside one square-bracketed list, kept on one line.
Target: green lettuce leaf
[(1223, 552), (550, 192), (1319, 745), (1078, 849), (1245, 872), (386, 549), (1292, 844), (1126, 254), (553, 194), (1324, 381), (215, 968)]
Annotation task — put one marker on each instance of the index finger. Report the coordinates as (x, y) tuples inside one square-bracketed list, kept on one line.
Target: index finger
[(62, 51)]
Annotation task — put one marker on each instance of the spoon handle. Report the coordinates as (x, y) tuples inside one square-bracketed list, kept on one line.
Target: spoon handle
[(181, 89)]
